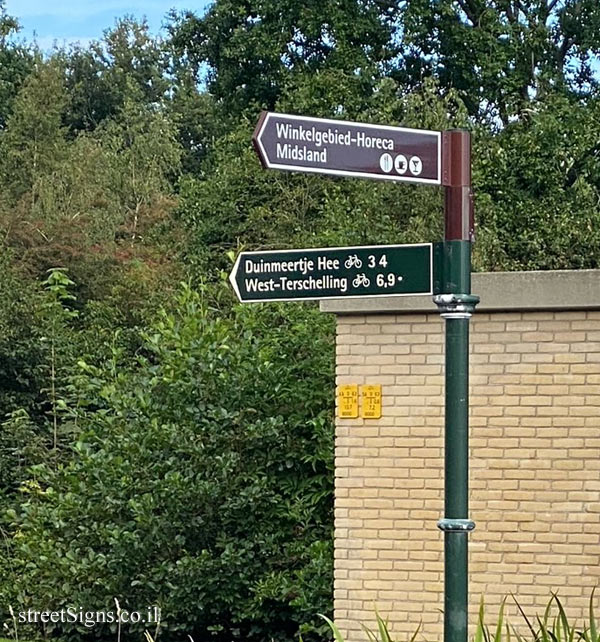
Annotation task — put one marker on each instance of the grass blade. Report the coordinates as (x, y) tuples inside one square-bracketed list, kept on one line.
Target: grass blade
[(545, 637), (593, 628), (414, 635), (518, 636), (547, 614), (479, 633), (498, 635), (569, 633), (336, 632), (533, 633), (383, 628), (369, 633)]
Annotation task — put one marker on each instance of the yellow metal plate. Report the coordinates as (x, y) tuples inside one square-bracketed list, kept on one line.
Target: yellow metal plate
[(371, 401), (348, 401)]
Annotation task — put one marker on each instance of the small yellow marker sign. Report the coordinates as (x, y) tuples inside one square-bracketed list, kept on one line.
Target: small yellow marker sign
[(348, 401), (371, 401)]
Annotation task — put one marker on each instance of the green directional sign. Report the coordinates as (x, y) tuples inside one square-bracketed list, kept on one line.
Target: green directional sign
[(331, 273)]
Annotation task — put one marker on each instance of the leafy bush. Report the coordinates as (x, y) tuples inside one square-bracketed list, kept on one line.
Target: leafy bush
[(201, 480)]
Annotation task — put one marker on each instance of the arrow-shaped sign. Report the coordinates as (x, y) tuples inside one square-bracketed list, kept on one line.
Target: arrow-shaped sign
[(342, 148), (328, 273)]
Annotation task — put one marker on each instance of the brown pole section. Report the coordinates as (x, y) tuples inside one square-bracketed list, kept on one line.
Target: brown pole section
[(456, 304), (456, 178)]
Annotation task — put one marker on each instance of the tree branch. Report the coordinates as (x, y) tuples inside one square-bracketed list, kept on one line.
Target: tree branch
[(466, 10), (551, 5), (564, 50), (510, 13)]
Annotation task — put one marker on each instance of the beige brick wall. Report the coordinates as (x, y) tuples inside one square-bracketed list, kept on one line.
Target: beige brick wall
[(535, 467)]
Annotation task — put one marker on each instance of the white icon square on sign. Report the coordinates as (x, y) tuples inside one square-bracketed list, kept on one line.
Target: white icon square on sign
[(400, 164), (415, 165)]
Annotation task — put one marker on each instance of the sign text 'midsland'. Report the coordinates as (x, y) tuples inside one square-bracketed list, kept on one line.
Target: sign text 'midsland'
[(343, 148), (322, 273)]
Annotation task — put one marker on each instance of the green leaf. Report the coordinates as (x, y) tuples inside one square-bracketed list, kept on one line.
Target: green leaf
[(383, 628), (479, 631), (529, 626), (593, 627), (498, 635), (336, 632)]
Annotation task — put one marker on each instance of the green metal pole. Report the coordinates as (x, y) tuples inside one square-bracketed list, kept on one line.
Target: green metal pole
[(456, 305)]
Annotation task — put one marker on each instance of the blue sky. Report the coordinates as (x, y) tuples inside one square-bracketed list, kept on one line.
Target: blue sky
[(66, 21)]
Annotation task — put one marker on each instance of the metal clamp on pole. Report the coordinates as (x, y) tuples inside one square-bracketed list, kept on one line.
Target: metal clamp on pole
[(456, 525), (456, 306)]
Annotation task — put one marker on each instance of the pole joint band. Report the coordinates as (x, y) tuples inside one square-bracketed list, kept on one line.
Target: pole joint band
[(456, 306), (456, 525)]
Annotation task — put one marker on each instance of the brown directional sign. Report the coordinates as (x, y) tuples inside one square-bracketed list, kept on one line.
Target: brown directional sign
[(342, 148)]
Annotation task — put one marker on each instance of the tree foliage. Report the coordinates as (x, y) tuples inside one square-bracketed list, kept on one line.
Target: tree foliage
[(254, 48), (16, 60), (540, 205), (34, 141), (159, 443), (128, 60), (503, 56), (200, 479)]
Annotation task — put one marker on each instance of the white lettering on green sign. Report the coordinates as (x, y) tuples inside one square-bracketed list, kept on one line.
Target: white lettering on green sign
[(285, 284)]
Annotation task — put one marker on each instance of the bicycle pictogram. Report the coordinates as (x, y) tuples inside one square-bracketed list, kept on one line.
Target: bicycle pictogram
[(353, 261), (361, 280)]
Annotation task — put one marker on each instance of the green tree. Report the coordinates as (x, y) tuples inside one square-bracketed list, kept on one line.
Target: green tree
[(72, 200), (56, 200), (58, 314), (16, 61), (34, 141), (198, 120), (144, 155), (537, 190), (36, 356), (502, 56), (252, 48), (20, 341), (8, 24), (126, 63)]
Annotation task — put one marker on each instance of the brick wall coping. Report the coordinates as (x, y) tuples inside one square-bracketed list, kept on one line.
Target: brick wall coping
[(499, 291)]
